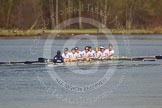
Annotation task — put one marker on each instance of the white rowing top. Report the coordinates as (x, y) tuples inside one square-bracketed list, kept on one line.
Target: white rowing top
[(73, 55), (79, 54), (66, 56), (86, 54), (92, 53), (104, 54), (109, 52), (98, 54)]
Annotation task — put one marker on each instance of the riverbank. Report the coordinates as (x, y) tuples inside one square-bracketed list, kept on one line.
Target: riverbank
[(31, 33)]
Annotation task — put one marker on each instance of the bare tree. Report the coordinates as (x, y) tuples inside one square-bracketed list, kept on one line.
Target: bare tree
[(130, 10), (80, 15), (10, 2), (105, 15), (52, 16), (69, 9), (130, 13), (57, 17)]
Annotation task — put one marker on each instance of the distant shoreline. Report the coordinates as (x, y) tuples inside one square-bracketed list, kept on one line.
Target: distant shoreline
[(65, 34)]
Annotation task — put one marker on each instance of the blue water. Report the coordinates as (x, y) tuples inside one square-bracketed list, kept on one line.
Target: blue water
[(133, 84)]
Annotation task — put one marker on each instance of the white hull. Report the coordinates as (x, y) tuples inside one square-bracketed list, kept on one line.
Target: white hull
[(97, 63)]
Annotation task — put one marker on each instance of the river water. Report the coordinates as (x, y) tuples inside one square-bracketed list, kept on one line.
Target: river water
[(122, 85)]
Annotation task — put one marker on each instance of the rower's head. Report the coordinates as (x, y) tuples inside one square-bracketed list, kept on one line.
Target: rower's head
[(72, 50), (90, 48), (76, 49), (96, 49), (86, 49), (66, 50), (110, 46), (58, 52), (102, 48)]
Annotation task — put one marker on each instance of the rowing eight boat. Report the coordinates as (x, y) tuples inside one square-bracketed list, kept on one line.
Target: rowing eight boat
[(90, 61)]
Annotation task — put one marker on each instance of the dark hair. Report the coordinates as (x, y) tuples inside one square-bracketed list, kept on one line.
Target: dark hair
[(58, 52), (66, 49), (76, 48), (89, 47)]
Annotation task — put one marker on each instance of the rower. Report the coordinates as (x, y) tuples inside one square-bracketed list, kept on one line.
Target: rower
[(58, 58), (86, 53), (73, 55), (66, 55), (78, 53), (97, 53), (103, 52), (109, 51), (92, 52)]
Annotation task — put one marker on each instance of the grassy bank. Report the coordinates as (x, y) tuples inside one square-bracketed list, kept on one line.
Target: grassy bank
[(28, 33)]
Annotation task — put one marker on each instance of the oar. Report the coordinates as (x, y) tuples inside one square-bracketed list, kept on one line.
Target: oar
[(149, 60), (152, 57), (44, 60), (119, 58), (158, 57), (26, 62), (130, 59), (11, 63), (125, 59), (1, 63), (30, 62)]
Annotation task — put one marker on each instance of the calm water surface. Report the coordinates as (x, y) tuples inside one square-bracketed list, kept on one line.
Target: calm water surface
[(132, 84)]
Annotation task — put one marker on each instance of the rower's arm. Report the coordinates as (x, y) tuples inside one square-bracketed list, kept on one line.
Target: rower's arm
[(110, 54)]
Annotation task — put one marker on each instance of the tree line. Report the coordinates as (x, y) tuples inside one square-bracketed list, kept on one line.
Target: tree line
[(47, 14)]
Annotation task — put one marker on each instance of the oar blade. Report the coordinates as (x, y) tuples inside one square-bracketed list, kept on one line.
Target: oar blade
[(1, 63), (158, 57), (138, 59), (44, 60)]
